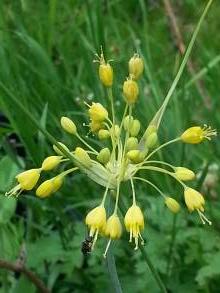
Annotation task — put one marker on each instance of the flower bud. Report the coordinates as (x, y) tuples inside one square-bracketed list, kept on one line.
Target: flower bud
[(106, 74), (68, 125), (82, 156), (151, 140), (113, 227), (115, 129), (135, 127), (104, 156), (97, 112), (132, 143), (184, 174), (58, 150), (50, 163), (135, 156), (103, 134), (127, 123), (151, 129), (136, 66), (172, 205), (130, 91), (49, 186)]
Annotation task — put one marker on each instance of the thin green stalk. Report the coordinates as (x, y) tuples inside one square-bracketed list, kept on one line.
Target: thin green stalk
[(172, 242), (153, 270)]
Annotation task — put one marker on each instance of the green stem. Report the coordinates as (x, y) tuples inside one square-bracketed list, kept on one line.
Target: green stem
[(172, 242), (153, 270)]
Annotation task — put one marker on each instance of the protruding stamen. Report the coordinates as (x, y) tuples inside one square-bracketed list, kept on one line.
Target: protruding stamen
[(107, 247), (203, 218)]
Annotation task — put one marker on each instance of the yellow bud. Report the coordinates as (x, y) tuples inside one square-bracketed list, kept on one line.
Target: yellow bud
[(172, 205), (68, 125), (113, 228), (82, 157), (50, 163), (151, 140), (132, 143), (57, 182), (115, 129), (127, 123), (106, 74), (45, 189), (136, 66), (58, 151), (135, 127), (196, 134), (97, 112), (95, 126), (184, 174), (28, 179), (104, 156), (130, 91), (103, 134), (150, 129), (135, 156)]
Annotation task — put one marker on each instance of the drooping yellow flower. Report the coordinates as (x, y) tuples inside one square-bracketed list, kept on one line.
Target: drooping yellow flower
[(113, 227), (27, 180), (130, 91), (96, 221), (50, 186), (68, 125), (136, 66), (197, 134), (97, 112), (184, 174), (134, 223), (172, 205), (50, 163)]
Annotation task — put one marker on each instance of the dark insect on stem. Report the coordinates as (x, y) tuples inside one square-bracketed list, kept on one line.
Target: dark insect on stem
[(86, 247)]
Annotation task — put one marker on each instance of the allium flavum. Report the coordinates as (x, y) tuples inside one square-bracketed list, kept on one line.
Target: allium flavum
[(124, 150)]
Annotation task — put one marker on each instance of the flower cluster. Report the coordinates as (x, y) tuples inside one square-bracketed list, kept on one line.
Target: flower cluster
[(124, 153)]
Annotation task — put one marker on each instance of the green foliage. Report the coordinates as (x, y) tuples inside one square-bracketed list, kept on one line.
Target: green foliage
[(46, 53)]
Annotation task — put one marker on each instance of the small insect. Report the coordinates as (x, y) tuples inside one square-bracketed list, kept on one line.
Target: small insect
[(86, 247)]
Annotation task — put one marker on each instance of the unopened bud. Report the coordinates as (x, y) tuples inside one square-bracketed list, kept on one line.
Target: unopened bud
[(135, 156), (104, 156), (103, 134), (115, 129), (135, 127), (184, 174), (132, 143), (50, 163), (127, 123), (151, 140), (58, 151), (82, 157), (130, 91), (172, 205), (68, 125), (136, 66)]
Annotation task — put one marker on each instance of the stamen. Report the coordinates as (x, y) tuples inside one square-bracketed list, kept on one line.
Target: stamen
[(203, 218), (130, 239), (142, 240), (208, 131), (15, 191), (136, 242), (95, 239), (107, 247)]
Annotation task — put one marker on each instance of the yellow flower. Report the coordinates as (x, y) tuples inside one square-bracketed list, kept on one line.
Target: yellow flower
[(49, 186), (136, 66), (197, 134), (193, 199), (27, 180), (68, 125), (97, 112), (135, 127), (135, 156), (96, 221), (82, 157), (103, 134), (106, 74), (130, 91), (113, 227), (184, 174), (95, 126), (50, 163), (172, 205), (134, 223), (104, 156)]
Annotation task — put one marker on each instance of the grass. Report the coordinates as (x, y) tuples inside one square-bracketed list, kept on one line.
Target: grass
[(46, 51)]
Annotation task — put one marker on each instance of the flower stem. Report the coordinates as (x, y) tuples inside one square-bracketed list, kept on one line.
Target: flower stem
[(153, 270)]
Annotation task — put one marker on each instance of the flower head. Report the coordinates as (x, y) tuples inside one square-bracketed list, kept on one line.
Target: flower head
[(172, 205), (197, 134), (49, 187), (113, 227), (50, 163), (184, 174), (97, 112), (130, 91), (68, 125), (136, 66), (134, 223)]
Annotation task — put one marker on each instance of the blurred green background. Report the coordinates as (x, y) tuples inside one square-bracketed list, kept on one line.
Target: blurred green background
[(46, 60)]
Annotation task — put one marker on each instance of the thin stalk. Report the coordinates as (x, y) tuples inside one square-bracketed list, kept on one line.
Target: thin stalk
[(172, 242), (153, 270)]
